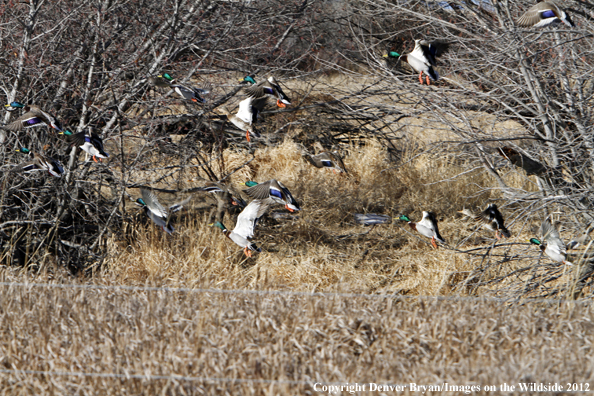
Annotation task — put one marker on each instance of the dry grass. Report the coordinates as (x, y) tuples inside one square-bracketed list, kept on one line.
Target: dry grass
[(305, 339), (321, 248)]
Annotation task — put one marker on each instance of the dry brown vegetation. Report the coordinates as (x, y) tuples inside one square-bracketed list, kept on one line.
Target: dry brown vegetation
[(95, 299), (171, 342)]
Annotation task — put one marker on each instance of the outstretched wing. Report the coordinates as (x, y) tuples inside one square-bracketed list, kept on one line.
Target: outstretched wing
[(27, 120), (77, 139), (259, 191), (551, 235), (536, 13), (433, 50), (179, 205), (259, 90), (151, 201), (247, 219), (26, 167), (372, 219)]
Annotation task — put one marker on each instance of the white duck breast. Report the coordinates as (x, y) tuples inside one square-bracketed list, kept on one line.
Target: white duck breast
[(250, 108), (89, 148), (428, 227), (555, 248), (159, 221), (248, 218), (245, 110), (420, 63)]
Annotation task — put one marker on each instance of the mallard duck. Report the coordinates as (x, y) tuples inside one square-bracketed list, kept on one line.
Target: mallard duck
[(553, 246), (39, 163), (274, 190), (32, 118), (159, 81), (427, 227), (422, 58), (185, 92), (91, 143), (250, 108), (244, 228), (271, 89), (544, 14), (241, 124), (490, 218), (156, 212), (327, 160)]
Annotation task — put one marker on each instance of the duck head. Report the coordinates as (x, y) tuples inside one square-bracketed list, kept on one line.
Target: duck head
[(391, 54), (220, 225), (166, 77), (248, 79), (404, 218), (12, 106)]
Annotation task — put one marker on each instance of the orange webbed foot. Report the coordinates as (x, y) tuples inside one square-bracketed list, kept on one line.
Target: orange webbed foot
[(247, 136), (421, 78), (427, 78), (289, 209), (280, 104), (95, 159), (434, 243), (194, 100)]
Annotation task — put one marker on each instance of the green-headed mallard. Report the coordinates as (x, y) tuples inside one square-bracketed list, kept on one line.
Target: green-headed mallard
[(32, 118), (543, 14), (248, 80), (91, 143), (241, 124), (271, 89), (422, 58), (274, 190), (185, 92), (553, 246), (156, 212), (427, 227), (244, 228), (39, 163), (490, 218), (328, 160)]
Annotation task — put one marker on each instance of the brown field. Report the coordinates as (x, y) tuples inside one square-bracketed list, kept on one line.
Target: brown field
[(119, 341), (184, 342)]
